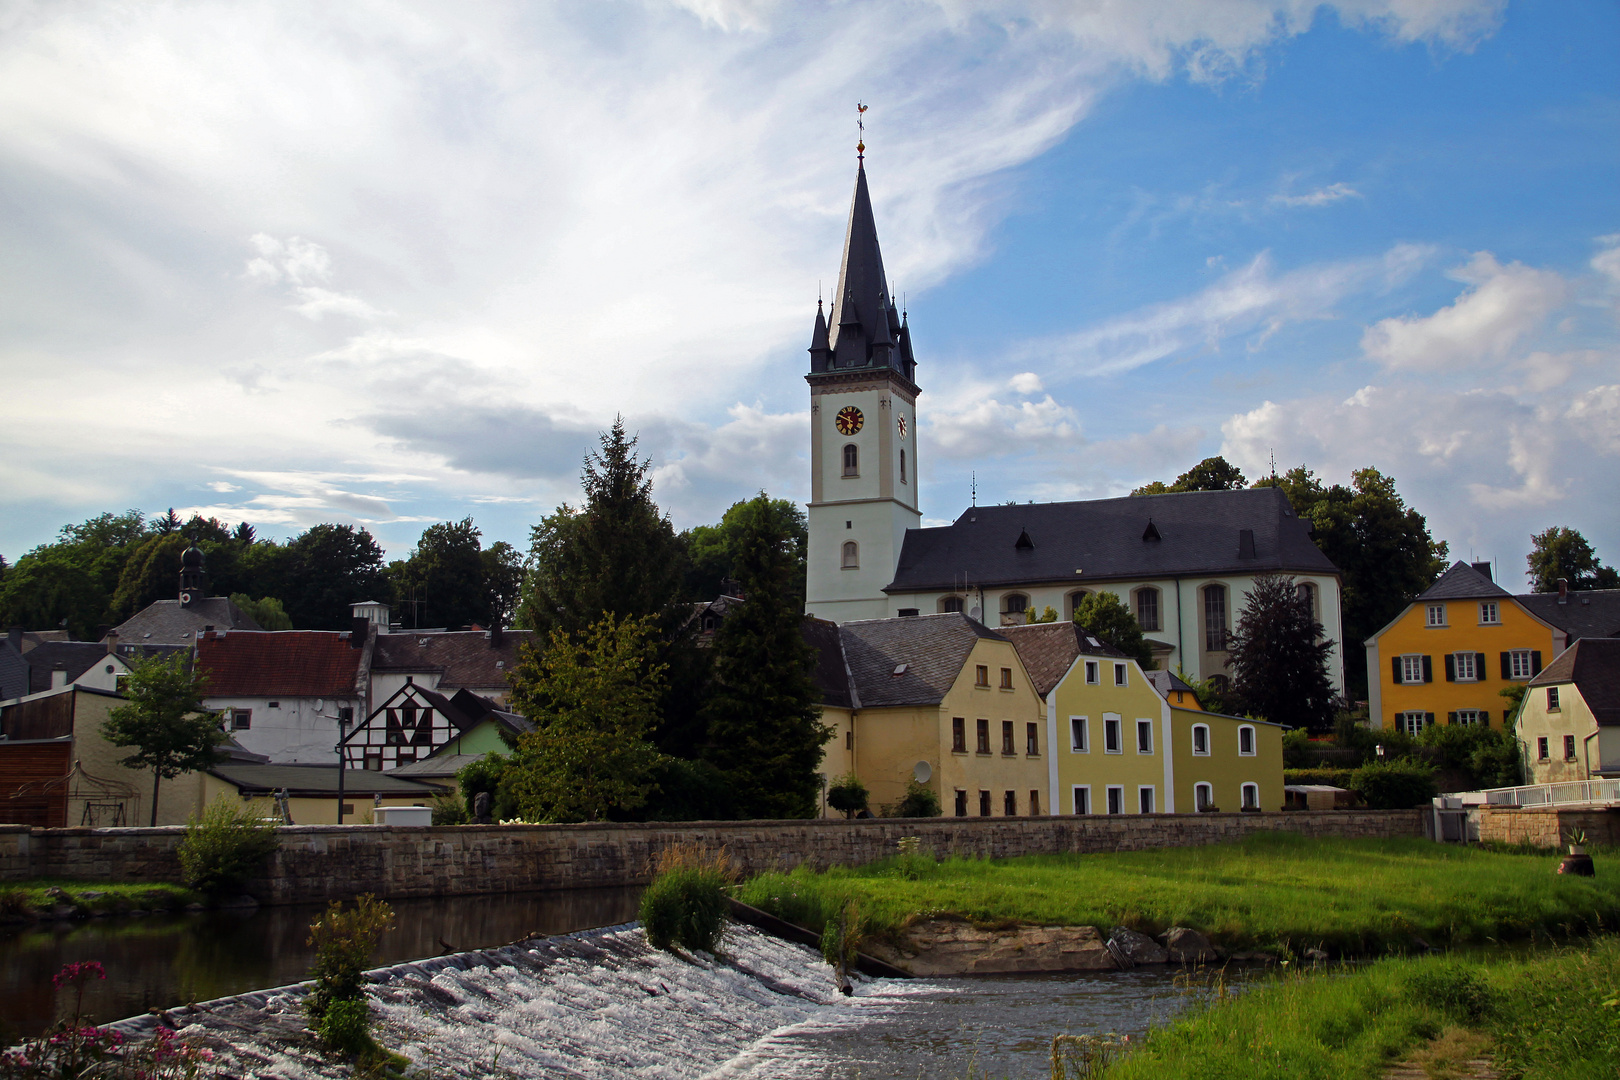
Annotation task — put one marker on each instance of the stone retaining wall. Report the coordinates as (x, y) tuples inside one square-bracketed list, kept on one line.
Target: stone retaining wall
[(322, 862), (1547, 826)]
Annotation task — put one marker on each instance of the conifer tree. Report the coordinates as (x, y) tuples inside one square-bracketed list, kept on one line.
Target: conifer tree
[(1279, 658), (764, 724)]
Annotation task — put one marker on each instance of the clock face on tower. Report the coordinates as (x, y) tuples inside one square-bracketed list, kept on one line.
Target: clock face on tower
[(849, 420), (902, 427)]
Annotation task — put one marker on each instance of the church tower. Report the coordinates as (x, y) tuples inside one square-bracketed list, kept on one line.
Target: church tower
[(863, 432)]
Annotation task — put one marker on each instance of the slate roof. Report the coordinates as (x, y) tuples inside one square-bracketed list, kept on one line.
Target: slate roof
[(281, 663), (319, 780), (1200, 532), (933, 649), (461, 658), (165, 622), (1463, 582), (1593, 665), (1048, 650), (831, 672), (1594, 613), (76, 657), (438, 765), (1166, 681)]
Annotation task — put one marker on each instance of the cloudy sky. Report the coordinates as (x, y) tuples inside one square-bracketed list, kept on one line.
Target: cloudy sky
[(397, 263)]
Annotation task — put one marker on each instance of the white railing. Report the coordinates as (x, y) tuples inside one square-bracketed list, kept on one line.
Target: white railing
[(1572, 792)]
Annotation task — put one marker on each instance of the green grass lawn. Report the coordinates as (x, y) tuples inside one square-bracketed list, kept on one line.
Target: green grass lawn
[(1550, 1016), (116, 896), (1272, 891)]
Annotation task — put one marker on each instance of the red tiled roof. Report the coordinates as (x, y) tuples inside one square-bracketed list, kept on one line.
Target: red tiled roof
[(293, 663)]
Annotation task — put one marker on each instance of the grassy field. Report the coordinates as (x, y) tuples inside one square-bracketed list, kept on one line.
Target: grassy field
[(115, 896), (1273, 891), (1552, 1016)]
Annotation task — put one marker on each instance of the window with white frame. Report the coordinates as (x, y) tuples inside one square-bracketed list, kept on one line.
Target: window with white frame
[(1077, 735), (1203, 796), (1200, 739), (1520, 665), (1144, 736), (852, 555), (1246, 740), (1437, 614), (1470, 717), (1412, 668), (1116, 799), (1489, 613), (1082, 798), (1119, 675), (1465, 667), (1251, 796), (852, 460), (1413, 722), (1111, 735), (241, 719), (1147, 608), (1144, 799), (1092, 676)]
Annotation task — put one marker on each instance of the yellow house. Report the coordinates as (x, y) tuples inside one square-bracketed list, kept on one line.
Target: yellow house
[(941, 700), (1120, 747), (1570, 726), (1448, 656)]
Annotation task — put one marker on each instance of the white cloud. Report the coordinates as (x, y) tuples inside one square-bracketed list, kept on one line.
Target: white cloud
[(1595, 416), (1607, 261), (1320, 197), (1502, 307), (1026, 382), (979, 425), (318, 302)]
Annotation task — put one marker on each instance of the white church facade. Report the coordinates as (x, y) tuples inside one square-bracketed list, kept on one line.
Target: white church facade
[(1183, 562)]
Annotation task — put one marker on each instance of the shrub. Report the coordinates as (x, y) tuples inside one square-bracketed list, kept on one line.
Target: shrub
[(484, 775), (848, 794), (920, 801), (1339, 778), (448, 809), (1395, 785), (841, 942), (224, 848), (344, 940), (1457, 991), (345, 1026), (685, 905), (15, 903)]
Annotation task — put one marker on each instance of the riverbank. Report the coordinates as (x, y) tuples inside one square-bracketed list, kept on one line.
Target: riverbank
[(65, 898), (1274, 893), (1548, 1016)]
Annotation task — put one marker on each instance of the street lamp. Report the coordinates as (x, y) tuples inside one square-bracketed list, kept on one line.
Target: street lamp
[(1380, 749), (343, 735)]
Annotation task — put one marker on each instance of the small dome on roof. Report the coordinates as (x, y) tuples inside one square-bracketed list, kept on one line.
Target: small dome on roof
[(192, 558)]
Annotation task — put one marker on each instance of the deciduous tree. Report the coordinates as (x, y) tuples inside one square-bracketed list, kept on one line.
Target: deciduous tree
[(1279, 658), (164, 721), (711, 549), (1561, 552), (1103, 614), (1211, 474), (324, 570)]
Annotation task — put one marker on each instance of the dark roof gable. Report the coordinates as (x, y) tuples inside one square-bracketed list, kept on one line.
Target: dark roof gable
[(1462, 582), (1197, 532), (1593, 665), (909, 661), (1586, 614)]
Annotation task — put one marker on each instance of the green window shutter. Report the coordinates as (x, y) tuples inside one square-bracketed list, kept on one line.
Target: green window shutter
[(1428, 718), (1479, 667), (1507, 665), (1451, 668), (1395, 665), (1535, 663), (1428, 670), (1451, 717)]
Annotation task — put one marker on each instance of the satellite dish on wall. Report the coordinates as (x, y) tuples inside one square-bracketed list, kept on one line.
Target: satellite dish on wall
[(923, 772), (977, 614)]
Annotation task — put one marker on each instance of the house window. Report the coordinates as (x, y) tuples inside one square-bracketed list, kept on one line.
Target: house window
[(1032, 740), (1413, 722), (1092, 676), (958, 735), (849, 740), (1111, 741), (1119, 674), (1200, 736), (1006, 678), (984, 804), (981, 675), (1082, 798), (1552, 699), (273, 704), (1144, 736), (1569, 748), (1116, 799), (1463, 665), (1489, 613), (1034, 803), (961, 803), (984, 736), (1009, 804), (1077, 735), (1520, 664), (1147, 608), (1214, 617), (1144, 799), (1007, 738), (852, 555), (951, 605), (902, 465), (1246, 740), (241, 719), (372, 762), (852, 460), (1305, 593), (1469, 717), (1203, 796), (1413, 668), (1251, 796), (1437, 615), (1541, 748), (404, 757)]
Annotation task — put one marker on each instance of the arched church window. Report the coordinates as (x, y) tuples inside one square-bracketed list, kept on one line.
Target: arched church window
[(852, 555), (1074, 601), (902, 464), (1015, 602), (852, 460), (951, 605)]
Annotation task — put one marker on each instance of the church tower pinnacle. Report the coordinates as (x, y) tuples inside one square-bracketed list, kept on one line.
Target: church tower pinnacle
[(863, 431)]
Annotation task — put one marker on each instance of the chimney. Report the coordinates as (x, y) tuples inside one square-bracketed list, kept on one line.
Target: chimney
[(358, 627), (58, 675), (1483, 569), (112, 642), (14, 638), (1563, 590), (497, 635), (1245, 543)]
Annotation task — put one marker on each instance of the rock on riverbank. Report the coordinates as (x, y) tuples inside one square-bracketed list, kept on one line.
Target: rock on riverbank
[(935, 947), (600, 1003)]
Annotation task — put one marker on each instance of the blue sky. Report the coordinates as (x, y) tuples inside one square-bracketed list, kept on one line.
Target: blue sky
[(398, 263)]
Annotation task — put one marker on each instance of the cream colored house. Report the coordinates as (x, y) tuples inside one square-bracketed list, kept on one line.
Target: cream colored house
[(1569, 728)]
